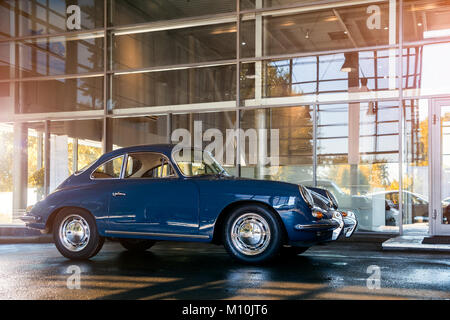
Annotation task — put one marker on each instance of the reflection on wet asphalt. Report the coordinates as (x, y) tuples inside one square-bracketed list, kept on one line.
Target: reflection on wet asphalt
[(204, 271)]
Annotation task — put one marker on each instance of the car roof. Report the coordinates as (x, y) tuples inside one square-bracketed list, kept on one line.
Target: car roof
[(160, 148)]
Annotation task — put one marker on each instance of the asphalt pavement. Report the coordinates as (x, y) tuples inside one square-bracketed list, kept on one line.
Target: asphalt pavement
[(175, 270)]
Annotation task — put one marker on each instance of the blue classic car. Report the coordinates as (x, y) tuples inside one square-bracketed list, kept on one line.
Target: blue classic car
[(144, 194)]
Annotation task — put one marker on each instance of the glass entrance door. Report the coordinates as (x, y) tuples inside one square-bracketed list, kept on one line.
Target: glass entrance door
[(440, 167)]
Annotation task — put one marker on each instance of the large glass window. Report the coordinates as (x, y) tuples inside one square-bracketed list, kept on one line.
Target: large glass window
[(6, 172), (357, 146), (333, 76), (213, 131), (36, 17), (80, 94), (252, 4), (35, 162), (138, 131), (60, 55), (415, 167), (22, 182), (425, 19), (278, 143), (175, 46), (427, 65), (333, 28), (139, 11), (425, 69), (8, 67), (73, 145), (197, 85)]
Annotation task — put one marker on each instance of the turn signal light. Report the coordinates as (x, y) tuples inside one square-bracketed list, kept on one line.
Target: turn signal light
[(318, 215), (344, 214)]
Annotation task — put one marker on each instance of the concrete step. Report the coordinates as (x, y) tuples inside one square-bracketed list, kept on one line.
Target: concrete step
[(413, 243)]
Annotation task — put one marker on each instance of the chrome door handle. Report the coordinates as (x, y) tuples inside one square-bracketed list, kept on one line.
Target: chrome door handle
[(119, 194)]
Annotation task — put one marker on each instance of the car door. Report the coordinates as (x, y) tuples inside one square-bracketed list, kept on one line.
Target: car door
[(151, 198)]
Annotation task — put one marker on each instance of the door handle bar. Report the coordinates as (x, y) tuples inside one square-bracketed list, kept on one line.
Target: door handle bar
[(119, 194)]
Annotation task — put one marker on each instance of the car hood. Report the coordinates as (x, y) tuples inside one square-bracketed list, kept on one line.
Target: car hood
[(247, 183)]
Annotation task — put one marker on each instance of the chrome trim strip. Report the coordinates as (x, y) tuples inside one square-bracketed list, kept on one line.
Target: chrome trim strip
[(321, 226), (116, 217), (29, 218), (155, 234), (124, 165)]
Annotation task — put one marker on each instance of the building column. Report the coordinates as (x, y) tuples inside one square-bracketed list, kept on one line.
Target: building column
[(75, 155), (40, 162), (20, 169), (47, 158), (107, 144), (169, 128), (59, 160), (260, 114), (352, 60)]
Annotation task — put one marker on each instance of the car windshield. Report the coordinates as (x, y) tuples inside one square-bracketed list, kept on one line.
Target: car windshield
[(193, 162)]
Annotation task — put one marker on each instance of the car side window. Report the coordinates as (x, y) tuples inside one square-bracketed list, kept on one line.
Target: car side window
[(148, 165), (109, 170)]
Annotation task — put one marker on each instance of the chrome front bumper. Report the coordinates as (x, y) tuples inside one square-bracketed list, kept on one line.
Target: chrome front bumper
[(347, 224), (30, 219), (335, 224), (350, 224), (337, 216)]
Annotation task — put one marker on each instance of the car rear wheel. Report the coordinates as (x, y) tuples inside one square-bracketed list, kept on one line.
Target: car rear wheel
[(75, 234), (252, 234), (136, 245)]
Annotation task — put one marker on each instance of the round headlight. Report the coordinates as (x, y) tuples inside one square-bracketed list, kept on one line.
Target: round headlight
[(306, 195), (332, 199), (351, 214)]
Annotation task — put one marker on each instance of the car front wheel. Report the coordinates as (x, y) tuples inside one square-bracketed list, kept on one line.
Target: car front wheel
[(136, 245), (252, 234), (75, 234)]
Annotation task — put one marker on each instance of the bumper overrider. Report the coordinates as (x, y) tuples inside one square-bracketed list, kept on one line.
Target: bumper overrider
[(350, 223)]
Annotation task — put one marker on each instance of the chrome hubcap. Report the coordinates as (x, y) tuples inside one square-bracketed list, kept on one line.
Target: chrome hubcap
[(250, 234), (74, 233)]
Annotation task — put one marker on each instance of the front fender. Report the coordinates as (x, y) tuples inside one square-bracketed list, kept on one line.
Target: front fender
[(81, 197)]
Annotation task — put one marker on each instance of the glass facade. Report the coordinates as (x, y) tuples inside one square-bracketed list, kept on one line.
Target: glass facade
[(329, 93)]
